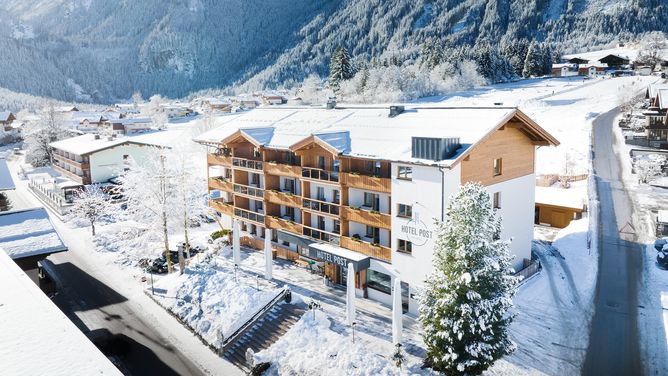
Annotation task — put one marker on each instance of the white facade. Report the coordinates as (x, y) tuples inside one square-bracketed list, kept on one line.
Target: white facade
[(109, 163)]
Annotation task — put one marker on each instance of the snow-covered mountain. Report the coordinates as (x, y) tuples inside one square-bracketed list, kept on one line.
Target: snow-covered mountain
[(100, 50)]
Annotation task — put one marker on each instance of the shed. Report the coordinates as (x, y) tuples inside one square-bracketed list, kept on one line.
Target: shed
[(557, 207)]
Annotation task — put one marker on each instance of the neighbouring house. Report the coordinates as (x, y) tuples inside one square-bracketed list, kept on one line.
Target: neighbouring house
[(176, 110), (219, 105), (557, 207), (644, 70), (273, 99), (592, 70), (564, 70), (128, 125), (28, 236), (652, 89), (64, 109), (91, 158), (363, 186), (577, 60), (6, 181), (37, 337), (615, 61), (246, 104), (6, 120)]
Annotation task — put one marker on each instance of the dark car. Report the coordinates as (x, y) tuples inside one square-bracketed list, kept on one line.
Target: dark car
[(659, 243), (158, 266), (662, 259)]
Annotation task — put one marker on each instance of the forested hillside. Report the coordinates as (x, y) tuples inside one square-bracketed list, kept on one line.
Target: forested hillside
[(102, 50)]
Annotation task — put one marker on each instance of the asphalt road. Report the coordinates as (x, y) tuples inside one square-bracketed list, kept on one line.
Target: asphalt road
[(105, 315), (614, 340)]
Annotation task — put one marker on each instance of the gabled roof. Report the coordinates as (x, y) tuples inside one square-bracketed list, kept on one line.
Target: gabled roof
[(29, 232), (6, 116), (6, 181), (368, 131)]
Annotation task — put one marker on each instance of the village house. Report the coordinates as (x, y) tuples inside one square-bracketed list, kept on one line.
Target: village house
[(128, 125), (564, 70), (557, 207), (6, 120), (592, 70), (217, 105), (273, 99), (92, 158), (364, 185)]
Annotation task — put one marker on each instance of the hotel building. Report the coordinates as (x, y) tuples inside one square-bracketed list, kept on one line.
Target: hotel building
[(365, 185)]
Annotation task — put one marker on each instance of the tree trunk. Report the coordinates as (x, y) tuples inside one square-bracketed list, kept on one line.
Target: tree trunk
[(92, 227), (163, 191)]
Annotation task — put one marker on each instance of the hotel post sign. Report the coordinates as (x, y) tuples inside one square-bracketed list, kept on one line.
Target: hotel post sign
[(417, 231)]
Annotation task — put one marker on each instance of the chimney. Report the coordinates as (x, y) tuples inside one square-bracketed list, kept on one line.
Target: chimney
[(331, 103), (396, 110)]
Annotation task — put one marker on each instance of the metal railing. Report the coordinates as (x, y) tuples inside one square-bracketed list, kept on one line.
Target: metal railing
[(318, 174), (321, 206), (249, 215), (249, 191), (247, 163), (322, 235)]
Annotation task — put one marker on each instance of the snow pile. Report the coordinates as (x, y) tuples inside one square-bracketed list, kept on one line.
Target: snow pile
[(310, 347), (210, 301)]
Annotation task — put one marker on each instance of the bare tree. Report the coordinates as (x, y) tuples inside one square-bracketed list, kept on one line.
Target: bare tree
[(651, 48), (90, 204), (39, 135), (648, 167), (566, 171), (154, 109)]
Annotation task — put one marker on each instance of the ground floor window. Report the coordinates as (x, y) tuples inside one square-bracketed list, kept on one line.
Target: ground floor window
[(379, 281)]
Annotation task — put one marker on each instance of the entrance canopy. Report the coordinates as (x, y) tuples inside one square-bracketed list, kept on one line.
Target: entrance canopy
[(339, 256)]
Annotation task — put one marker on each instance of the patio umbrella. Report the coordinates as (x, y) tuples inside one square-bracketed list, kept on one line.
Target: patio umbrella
[(397, 312), (236, 242), (268, 262), (350, 295)]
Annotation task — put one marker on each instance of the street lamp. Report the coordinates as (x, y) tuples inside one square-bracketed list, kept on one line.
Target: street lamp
[(236, 267), (353, 326)]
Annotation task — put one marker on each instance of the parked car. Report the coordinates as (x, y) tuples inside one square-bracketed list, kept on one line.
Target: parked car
[(660, 243), (662, 259), (158, 266)]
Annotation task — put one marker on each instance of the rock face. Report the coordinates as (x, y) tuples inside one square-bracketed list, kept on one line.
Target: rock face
[(99, 50)]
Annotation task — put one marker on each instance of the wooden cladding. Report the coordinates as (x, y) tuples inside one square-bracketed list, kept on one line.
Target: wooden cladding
[(366, 217), (376, 251), (283, 224), (281, 198), (221, 206), (365, 182), (282, 169), (509, 144), (220, 184), (218, 160)]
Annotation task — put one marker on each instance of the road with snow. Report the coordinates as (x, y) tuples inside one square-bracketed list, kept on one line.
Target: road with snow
[(113, 311), (614, 347)]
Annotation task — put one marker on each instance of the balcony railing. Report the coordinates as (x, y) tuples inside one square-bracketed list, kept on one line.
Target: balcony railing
[(249, 215), (321, 206), (84, 165), (284, 224), (71, 175), (367, 217), (221, 183), (322, 235), (248, 191), (374, 250), (219, 159), (222, 206), (282, 169), (371, 183), (247, 164), (283, 198), (318, 174)]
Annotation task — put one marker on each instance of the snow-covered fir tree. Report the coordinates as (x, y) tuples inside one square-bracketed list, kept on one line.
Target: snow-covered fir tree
[(465, 302), (340, 68), (534, 61)]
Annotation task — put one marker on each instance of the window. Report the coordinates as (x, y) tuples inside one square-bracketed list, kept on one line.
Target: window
[(255, 179), (369, 167), (498, 166), (336, 166), (289, 185), (405, 172), (337, 226), (372, 200), (379, 281), (125, 157), (321, 223), (497, 200), (373, 233), (320, 193), (274, 236), (321, 162), (337, 196), (405, 211), (404, 246), (290, 212), (258, 205)]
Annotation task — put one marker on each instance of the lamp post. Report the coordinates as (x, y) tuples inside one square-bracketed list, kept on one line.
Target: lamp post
[(152, 289), (236, 268), (353, 326)]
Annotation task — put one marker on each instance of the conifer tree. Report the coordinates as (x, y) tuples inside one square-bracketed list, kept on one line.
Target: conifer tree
[(465, 302), (340, 67), (533, 63)]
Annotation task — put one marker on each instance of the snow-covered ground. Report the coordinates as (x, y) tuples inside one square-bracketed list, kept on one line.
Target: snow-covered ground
[(211, 300)]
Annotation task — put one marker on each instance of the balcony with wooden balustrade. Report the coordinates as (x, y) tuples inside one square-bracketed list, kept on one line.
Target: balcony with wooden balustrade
[(366, 182), (247, 164), (219, 160), (283, 198), (283, 224), (321, 207), (367, 217), (221, 183), (373, 250), (221, 206), (249, 216), (319, 175), (280, 169), (83, 165)]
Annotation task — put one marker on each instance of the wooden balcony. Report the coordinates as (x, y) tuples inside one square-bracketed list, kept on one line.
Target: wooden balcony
[(71, 175), (283, 224), (321, 207), (247, 215), (282, 169), (319, 175), (367, 217), (81, 165), (322, 235), (283, 198), (376, 251), (221, 206), (246, 190), (369, 183), (220, 184), (218, 160)]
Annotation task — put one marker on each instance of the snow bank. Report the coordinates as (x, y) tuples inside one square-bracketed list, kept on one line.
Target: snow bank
[(210, 301), (311, 347)]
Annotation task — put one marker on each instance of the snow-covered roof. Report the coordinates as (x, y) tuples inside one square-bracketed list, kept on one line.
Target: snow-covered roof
[(367, 132), (564, 65), (653, 88), (87, 143), (573, 198), (37, 337), (142, 120), (624, 53), (338, 251), (29, 232), (4, 116), (6, 181), (662, 95)]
